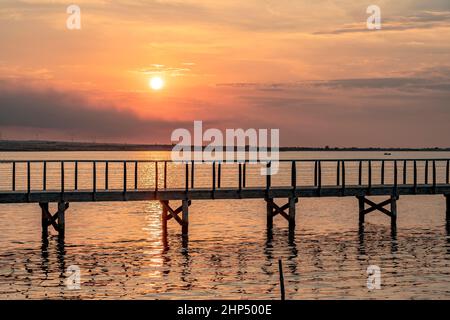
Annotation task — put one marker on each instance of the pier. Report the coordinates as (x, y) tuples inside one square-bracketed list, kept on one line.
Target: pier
[(177, 185)]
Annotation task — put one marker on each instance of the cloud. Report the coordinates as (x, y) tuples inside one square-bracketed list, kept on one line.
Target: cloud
[(258, 86), (71, 113), (376, 83), (424, 81), (368, 117), (421, 20), (160, 69), (410, 109), (306, 115), (15, 72)]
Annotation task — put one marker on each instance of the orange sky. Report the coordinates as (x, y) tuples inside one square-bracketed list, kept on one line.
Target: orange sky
[(309, 68)]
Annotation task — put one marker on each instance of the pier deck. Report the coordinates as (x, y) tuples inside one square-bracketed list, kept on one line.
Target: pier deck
[(66, 181), (223, 193)]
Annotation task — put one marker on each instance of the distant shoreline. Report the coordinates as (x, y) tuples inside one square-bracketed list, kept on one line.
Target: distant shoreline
[(29, 146)]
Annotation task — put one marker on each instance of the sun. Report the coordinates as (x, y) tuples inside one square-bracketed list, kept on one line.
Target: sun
[(156, 83)]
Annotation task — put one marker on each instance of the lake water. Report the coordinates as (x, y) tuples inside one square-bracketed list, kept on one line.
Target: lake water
[(121, 252)]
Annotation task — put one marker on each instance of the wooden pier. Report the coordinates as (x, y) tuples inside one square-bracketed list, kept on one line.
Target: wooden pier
[(65, 181)]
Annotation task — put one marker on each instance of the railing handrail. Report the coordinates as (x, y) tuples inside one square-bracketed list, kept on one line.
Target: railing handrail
[(190, 174), (262, 161)]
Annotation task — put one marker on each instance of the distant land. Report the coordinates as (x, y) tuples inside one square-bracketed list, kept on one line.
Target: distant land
[(40, 145)]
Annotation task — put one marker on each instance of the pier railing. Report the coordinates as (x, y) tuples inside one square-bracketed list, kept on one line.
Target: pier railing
[(27, 176), (65, 181)]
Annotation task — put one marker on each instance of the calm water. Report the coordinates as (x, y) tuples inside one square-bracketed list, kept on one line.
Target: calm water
[(121, 251)]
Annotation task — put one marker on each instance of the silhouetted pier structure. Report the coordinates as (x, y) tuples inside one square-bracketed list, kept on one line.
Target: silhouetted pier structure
[(65, 181)]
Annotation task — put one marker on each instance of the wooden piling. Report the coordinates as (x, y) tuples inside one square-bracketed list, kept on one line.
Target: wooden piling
[(164, 217), (269, 208), (393, 211), (185, 217), (280, 270), (292, 202), (62, 206), (361, 206), (44, 220), (294, 177)]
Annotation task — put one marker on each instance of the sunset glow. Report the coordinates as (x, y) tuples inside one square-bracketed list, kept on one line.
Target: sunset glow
[(156, 83), (322, 80)]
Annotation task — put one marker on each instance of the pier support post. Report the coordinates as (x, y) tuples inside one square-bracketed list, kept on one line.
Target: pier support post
[(292, 202), (393, 211), (392, 201), (362, 207), (61, 218), (273, 209), (169, 213), (57, 220), (44, 220), (185, 218), (269, 206), (164, 215), (164, 218)]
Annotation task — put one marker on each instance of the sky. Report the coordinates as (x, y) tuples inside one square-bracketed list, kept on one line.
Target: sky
[(311, 69)]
